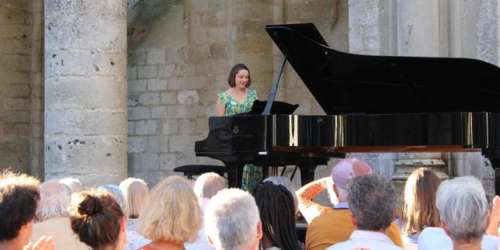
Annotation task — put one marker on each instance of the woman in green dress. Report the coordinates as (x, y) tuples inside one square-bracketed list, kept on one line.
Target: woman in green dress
[(239, 98)]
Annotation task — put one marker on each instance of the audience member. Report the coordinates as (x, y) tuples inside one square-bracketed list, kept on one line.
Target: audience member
[(53, 217), (117, 194), (285, 182), (463, 211), (172, 215), (277, 212), (232, 221), (135, 191), (19, 196), (372, 200), (98, 220), (327, 225), (419, 204), (205, 187), (73, 183)]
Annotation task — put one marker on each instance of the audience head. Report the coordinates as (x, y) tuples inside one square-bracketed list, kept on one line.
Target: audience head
[(208, 184), (73, 183), (372, 200), (285, 182), (232, 220), (55, 199), (136, 193), (277, 210), (419, 201), (97, 219), (117, 194), (172, 212), (18, 201), (344, 171), (231, 79), (463, 208)]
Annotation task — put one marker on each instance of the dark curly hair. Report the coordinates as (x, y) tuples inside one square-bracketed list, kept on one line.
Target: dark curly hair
[(19, 197), (232, 74)]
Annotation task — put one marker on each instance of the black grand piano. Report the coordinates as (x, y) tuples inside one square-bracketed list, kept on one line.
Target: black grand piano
[(373, 104)]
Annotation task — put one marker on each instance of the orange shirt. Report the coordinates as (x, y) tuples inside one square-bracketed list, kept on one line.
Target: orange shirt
[(334, 226)]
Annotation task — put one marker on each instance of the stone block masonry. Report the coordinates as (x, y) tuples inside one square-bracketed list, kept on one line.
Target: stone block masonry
[(85, 88)]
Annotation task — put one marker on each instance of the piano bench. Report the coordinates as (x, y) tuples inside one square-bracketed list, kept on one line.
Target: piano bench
[(197, 169)]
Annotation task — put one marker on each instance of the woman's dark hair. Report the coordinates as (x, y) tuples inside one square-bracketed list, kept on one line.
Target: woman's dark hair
[(232, 74), (18, 200), (277, 212), (96, 218)]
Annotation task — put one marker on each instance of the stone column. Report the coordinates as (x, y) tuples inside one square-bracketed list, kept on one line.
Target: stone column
[(86, 90)]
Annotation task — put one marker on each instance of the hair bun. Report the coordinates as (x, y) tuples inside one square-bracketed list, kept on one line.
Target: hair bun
[(90, 206)]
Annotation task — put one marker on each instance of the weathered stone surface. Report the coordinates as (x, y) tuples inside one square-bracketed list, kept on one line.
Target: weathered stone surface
[(85, 85)]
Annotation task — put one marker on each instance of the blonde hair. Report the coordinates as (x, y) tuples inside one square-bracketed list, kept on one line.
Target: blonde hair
[(136, 193), (172, 212), (419, 207)]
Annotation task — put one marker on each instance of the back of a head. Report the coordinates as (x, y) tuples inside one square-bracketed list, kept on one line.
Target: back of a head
[(172, 212), (55, 198), (73, 183), (231, 219), (208, 184), (136, 192), (419, 207), (344, 171), (277, 214), (96, 218), (117, 194), (18, 201), (463, 207), (285, 182), (372, 200)]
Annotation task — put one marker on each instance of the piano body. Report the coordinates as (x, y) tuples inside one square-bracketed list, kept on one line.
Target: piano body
[(372, 104)]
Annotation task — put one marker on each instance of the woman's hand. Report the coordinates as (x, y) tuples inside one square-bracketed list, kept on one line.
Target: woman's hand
[(494, 219), (219, 108)]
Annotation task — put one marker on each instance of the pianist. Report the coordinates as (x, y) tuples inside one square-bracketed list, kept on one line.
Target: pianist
[(237, 99)]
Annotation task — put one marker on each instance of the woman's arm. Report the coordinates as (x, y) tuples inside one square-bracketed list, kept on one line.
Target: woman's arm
[(220, 109)]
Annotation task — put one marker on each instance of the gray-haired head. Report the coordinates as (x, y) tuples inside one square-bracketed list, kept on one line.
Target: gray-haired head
[(208, 184), (232, 220), (55, 199), (136, 193), (463, 207), (372, 200), (73, 183), (285, 182), (117, 194)]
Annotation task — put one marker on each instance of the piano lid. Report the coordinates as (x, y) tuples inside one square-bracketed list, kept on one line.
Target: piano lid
[(349, 83)]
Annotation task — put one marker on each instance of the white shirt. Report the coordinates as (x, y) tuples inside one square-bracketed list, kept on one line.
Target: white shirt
[(436, 238), (366, 239)]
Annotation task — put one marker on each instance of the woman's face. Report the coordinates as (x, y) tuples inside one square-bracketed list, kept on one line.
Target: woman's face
[(241, 79)]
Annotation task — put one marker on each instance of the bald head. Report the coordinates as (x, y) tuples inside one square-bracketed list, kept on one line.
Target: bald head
[(208, 184)]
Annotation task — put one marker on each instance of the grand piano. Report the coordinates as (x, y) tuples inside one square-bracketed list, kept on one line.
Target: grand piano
[(372, 104)]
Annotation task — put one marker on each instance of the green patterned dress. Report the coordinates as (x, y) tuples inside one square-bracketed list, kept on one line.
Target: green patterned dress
[(251, 173)]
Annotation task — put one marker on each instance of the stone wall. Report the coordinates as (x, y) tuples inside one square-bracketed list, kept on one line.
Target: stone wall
[(179, 61), (20, 85), (441, 28)]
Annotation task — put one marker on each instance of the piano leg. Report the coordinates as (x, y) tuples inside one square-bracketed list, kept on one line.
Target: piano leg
[(306, 173), (234, 174)]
